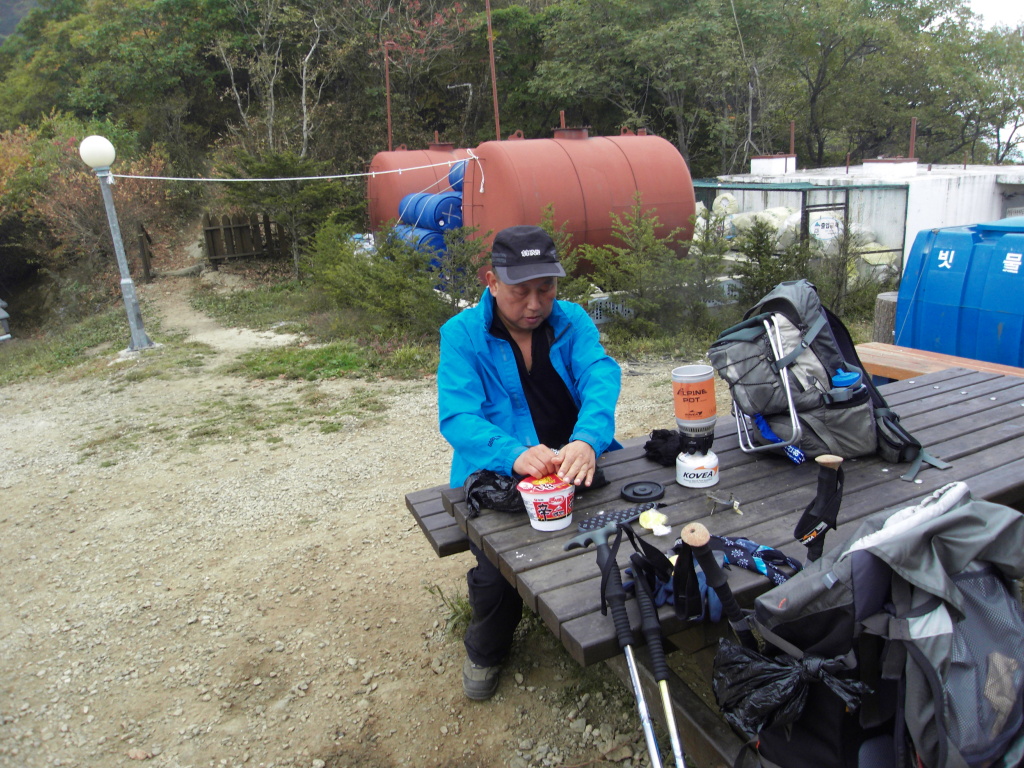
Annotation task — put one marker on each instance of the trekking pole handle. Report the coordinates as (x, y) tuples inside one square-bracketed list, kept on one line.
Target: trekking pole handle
[(697, 537), (614, 592), (828, 461), (649, 623)]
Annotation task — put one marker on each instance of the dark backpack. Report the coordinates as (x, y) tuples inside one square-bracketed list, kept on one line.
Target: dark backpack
[(817, 351), (919, 613)]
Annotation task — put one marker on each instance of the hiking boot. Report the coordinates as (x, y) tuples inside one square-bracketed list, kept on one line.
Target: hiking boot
[(479, 683)]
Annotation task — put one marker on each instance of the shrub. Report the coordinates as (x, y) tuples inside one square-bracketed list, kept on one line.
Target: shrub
[(575, 287), (703, 288), (458, 268), (766, 265), (391, 285), (841, 286), (645, 272), (52, 216)]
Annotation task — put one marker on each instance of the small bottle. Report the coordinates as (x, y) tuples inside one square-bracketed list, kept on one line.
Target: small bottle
[(845, 385)]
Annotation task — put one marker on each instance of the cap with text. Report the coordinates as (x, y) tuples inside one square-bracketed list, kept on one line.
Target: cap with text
[(524, 252)]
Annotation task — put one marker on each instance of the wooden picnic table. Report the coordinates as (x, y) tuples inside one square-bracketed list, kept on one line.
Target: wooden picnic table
[(972, 419)]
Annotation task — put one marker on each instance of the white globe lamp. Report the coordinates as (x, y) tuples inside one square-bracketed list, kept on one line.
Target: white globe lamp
[(97, 152)]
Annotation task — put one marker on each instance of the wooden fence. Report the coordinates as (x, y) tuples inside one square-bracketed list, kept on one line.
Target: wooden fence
[(144, 241), (238, 236)]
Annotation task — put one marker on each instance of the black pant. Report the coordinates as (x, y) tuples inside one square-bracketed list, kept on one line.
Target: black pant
[(497, 609)]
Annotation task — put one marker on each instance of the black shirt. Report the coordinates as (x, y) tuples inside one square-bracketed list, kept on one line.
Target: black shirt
[(552, 408)]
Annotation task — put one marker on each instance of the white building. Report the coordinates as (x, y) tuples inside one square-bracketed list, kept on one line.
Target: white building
[(892, 200)]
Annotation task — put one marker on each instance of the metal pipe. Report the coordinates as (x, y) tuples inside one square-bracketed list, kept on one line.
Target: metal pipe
[(913, 135), (792, 137), (494, 77), (387, 89), (139, 339)]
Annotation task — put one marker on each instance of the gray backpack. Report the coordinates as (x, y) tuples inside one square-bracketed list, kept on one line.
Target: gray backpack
[(930, 590), (816, 353)]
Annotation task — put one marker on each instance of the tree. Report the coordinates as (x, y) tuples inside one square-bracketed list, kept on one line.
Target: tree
[(644, 271), (1003, 66), (390, 287), (140, 62), (766, 264), (299, 204)]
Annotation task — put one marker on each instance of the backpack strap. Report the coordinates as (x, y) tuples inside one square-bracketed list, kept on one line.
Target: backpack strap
[(909, 448), (805, 342), (823, 432)]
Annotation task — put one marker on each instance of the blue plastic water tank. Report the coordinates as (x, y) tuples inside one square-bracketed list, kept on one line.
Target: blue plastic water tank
[(456, 175), (410, 209), (442, 212), (962, 292), (425, 240), (427, 211)]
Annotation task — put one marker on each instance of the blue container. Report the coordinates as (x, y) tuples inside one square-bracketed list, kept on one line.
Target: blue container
[(425, 240), (442, 212), (426, 211), (962, 292), (456, 175), (410, 209)]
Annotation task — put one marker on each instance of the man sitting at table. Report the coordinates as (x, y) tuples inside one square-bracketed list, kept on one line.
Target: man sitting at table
[(524, 388)]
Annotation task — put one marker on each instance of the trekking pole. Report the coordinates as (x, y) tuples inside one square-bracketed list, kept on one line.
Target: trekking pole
[(614, 595), (651, 628), (823, 512), (696, 536)]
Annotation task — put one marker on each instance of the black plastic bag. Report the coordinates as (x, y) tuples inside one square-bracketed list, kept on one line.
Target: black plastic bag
[(756, 692), (486, 489)]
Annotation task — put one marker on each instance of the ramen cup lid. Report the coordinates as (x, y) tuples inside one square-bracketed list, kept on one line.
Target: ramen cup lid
[(545, 484), (642, 490)]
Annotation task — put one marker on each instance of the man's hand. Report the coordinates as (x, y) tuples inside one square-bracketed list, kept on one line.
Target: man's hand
[(537, 461), (576, 463)]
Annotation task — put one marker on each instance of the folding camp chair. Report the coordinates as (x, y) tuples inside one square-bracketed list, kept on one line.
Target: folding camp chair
[(744, 421)]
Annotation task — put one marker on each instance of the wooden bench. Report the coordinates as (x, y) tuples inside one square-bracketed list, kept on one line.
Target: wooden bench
[(889, 361), (436, 522)]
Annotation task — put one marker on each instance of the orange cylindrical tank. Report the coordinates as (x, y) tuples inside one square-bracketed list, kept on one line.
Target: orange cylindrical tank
[(584, 178), (422, 170)]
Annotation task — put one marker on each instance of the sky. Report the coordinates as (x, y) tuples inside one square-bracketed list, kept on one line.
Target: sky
[(1008, 12)]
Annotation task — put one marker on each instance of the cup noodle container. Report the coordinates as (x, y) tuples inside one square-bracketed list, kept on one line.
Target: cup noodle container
[(548, 501), (693, 396)]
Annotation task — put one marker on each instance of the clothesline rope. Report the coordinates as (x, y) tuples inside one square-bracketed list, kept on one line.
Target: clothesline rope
[(373, 174)]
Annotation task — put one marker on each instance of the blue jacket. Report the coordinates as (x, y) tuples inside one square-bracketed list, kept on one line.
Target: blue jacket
[(481, 404)]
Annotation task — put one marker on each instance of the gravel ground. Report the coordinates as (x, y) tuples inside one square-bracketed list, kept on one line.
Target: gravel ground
[(198, 573)]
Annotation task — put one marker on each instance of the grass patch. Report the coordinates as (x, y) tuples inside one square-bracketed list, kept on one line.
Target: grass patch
[(307, 363), (61, 349), (121, 438), (175, 358), (680, 347), (243, 419), (264, 308), (457, 612)]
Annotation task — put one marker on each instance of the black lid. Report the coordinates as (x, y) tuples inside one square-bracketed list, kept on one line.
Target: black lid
[(642, 490)]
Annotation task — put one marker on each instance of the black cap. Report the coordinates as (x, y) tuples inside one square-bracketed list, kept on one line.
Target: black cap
[(523, 253)]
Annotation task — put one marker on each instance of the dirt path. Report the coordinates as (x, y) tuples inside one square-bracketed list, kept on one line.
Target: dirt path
[(202, 570)]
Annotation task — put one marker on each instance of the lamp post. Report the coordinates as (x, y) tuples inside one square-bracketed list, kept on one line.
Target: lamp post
[(98, 153)]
